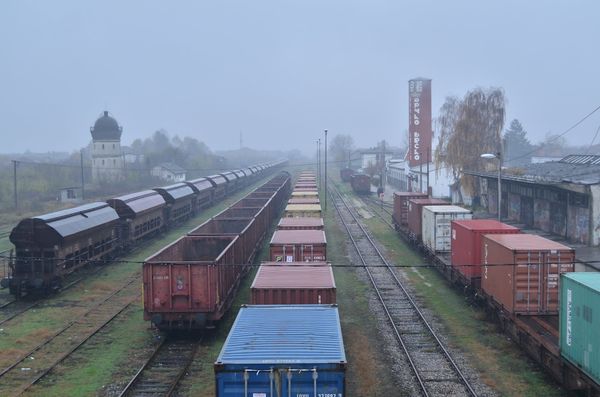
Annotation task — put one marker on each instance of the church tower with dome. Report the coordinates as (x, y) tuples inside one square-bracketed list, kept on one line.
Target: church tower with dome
[(107, 158)]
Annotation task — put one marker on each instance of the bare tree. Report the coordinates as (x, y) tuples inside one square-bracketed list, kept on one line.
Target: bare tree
[(340, 147), (466, 129)]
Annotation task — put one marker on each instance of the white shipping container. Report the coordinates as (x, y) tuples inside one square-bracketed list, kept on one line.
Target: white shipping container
[(435, 225)]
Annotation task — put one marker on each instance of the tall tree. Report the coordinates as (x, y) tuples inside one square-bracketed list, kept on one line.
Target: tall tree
[(517, 148), (340, 147), (466, 129)]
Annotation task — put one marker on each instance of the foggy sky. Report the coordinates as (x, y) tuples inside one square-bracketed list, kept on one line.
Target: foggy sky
[(280, 71)]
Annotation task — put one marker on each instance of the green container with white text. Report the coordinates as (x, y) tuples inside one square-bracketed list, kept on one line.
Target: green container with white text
[(580, 321)]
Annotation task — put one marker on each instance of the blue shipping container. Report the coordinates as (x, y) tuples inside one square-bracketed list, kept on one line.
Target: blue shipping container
[(283, 350)]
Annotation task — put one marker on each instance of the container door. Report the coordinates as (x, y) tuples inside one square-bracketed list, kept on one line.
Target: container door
[(250, 383), (442, 233), (311, 383), (307, 253), (555, 264), (289, 253), (529, 274)]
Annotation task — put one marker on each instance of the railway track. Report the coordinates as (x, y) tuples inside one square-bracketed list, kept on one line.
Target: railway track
[(31, 366), (161, 373), (379, 211), (435, 371)]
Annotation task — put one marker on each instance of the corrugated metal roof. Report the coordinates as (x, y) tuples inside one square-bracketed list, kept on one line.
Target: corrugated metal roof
[(294, 334), (581, 159), (217, 179), (285, 276), (141, 201), (589, 279), (71, 211), (303, 207), (201, 184), (77, 223), (484, 224), (299, 237), (176, 191), (301, 221), (526, 242)]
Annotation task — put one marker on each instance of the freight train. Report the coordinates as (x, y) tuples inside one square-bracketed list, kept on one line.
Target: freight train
[(48, 247), (516, 276), (361, 183)]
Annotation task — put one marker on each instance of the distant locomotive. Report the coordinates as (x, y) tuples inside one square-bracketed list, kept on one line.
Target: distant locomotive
[(346, 174), (49, 247), (361, 183)]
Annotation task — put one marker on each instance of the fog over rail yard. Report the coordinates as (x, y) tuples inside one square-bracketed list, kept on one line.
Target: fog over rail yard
[(313, 199)]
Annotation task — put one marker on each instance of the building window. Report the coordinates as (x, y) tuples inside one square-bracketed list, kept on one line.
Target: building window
[(114, 161), (70, 194), (102, 146), (113, 145), (102, 161)]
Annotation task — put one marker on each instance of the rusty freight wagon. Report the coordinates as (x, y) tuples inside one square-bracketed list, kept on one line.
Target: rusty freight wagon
[(191, 283), (521, 272), (204, 190), (276, 284), (298, 246), (346, 174), (361, 183), (220, 184), (300, 223)]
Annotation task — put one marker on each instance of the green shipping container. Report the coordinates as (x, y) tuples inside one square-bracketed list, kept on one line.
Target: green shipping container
[(580, 321)]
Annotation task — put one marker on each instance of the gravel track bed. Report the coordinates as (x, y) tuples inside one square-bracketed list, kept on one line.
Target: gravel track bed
[(435, 370)]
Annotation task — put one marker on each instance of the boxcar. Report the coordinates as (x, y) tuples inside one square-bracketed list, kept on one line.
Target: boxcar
[(141, 214), (50, 246), (309, 359), (180, 199), (361, 183), (204, 190)]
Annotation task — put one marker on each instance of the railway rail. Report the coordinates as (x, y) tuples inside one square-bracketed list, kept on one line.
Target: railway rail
[(435, 371), (30, 367), (163, 370)]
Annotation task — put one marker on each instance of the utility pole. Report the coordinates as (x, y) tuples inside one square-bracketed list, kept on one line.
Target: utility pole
[(325, 170), (82, 182), (319, 164), (15, 182), (428, 161)]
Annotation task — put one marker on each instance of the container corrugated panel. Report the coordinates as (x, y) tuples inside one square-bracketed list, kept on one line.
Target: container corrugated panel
[(304, 201), (299, 194), (580, 321), (298, 246), (283, 350), (521, 271), (415, 213), (276, 284), (435, 225), (401, 205), (301, 223), (303, 210), (466, 243)]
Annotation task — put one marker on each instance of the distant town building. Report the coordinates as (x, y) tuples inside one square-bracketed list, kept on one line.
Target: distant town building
[(107, 158), (131, 156), (70, 194), (559, 197), (169, 172)]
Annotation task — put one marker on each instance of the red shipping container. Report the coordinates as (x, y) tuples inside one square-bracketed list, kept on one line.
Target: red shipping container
[(415, 213), (521, 272), (278, 284), (300, 223), (466, 243), (298, 246), (400, 215)]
